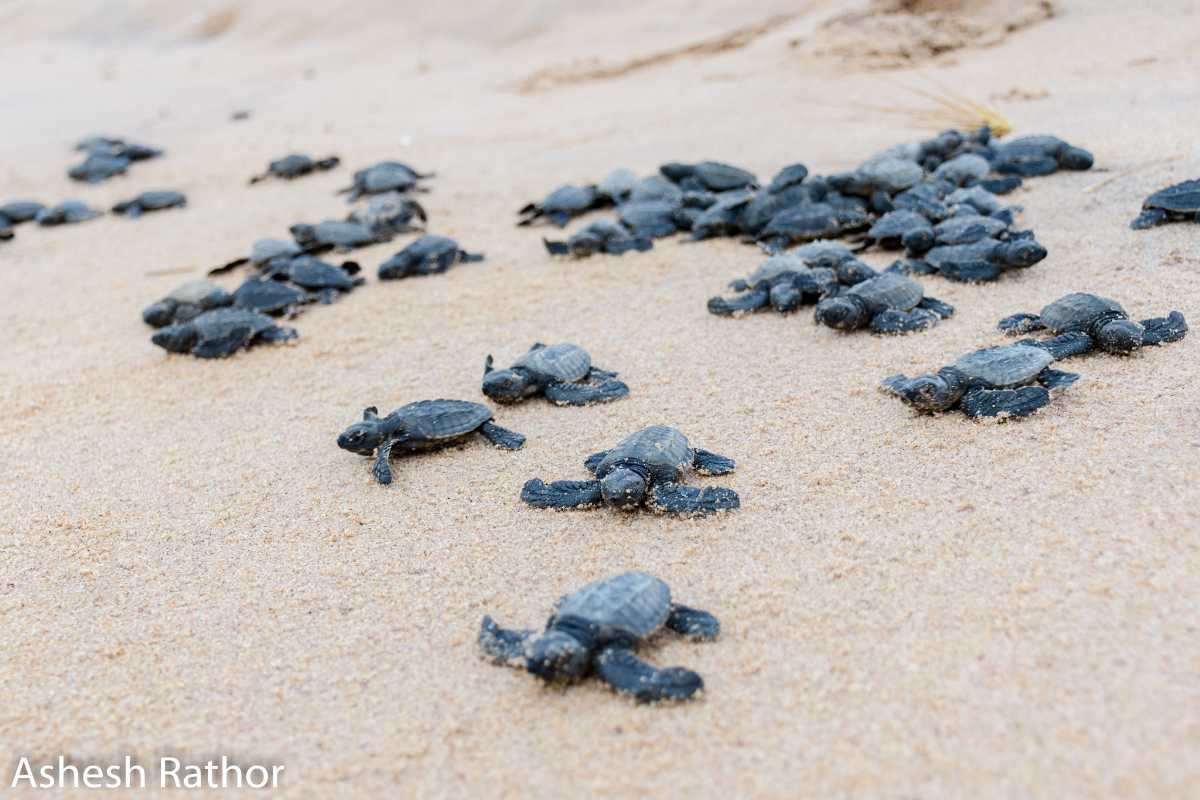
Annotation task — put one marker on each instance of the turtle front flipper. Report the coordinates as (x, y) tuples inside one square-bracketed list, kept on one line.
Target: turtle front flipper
[(593, 461), (583, 394), (706, 462), (501, 645), (627, 674), (693, 623), (1017, 324), (1064, 345), (1056, 378), (1005, 402), (942, 309), (895, 321), (1160, 330), (690, 501), (381, 469), (561, 494), (748, 301), (501, 437)]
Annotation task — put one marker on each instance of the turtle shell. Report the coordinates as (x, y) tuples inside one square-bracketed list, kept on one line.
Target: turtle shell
[(895, 224), (342, 234), (267, 296), (892, 175), (1078, 311), (313, 273), (291, 166), (632, 603), (569, 198), (565, 363), (265, 250), (433, 420), (967, 228), (385, 176), (775, 266), (200, 293), (889, 290), (665, 451), (1182, 198), (823, 253), (809, 221), (221, 322), (1011, 365), (21, 210)]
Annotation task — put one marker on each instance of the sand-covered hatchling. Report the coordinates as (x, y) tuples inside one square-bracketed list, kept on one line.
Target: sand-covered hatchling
[(596, 631), (220, 333), (646, 468), (1082, 321), (1009, 381), (335, 234), (68, 212), (561, 205), (295, 165), (420, 426), (600, 236), (1180, 202), (156, 200), (428, 255), (563, 373), (385, 176), (887, 303)]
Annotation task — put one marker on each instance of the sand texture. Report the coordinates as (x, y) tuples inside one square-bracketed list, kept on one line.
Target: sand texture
[(911, 606)]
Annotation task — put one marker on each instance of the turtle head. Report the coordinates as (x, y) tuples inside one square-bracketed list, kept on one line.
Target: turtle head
[(503, 385), (1120, 336), (1022, 253), (844, 313), (363, 437), (624, 488), (176, 338), (556, 655), (929, 393)]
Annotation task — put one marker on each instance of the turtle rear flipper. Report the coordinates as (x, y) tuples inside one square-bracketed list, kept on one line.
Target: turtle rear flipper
[(582, 394), (706, 462), (693, 623), (561, 494), (1005, 402), (942, 309), (628, 674), (1017, 324), (1160, 330), (748, 301), (501, 437), (676, 498), (501, 645), (895, 321), (1057, 379)]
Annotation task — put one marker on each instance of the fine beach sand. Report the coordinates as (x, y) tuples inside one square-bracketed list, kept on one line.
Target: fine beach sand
[(911, 606)]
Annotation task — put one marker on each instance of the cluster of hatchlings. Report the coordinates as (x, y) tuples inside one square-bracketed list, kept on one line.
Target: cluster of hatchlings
[(937, 201)]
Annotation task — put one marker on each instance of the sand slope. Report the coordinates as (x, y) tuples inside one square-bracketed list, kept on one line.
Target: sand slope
[(912, 607)]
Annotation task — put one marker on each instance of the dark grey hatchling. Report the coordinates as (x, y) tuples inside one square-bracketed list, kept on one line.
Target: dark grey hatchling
[(887, 303), (386, 176), (294, 165), (423, 425), (1178, 202), (1010, 381), (150, 201), (644, 469), (427, 255), (220, 333), (186, 302), (597, 630), (600, 236), (563, 373), (1082, 321)]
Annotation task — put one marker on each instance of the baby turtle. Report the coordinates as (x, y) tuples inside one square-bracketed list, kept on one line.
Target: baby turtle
[(117, 148), (264, 254), (1030, 156), (784, 282), (326, 280), (67, 212), (984, 260), (98, 167), (887, 303), (388, 214), (1010, 381), (1178, 202), (423, 425), (1103, 323), (601, 236), (791, 175), (386, 176), (595, 631), (150, 201), (902, 229), (18, 211), (221, 332), (295, 165), (561, 205), (268, 296), (426, 256), (711, 175), (645, 468), (811, 221), (334, 234), (563, 373), (186, 302)]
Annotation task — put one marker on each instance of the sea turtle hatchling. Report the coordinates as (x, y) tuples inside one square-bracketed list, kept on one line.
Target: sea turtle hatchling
[(711, 175), (1010, 381), (784, 282), (186, 302), (561, 205), (563, 373), (18, 211), (295, 165), (390, 213), (335, 234), (1082, 321), (600, 236), (68, 212), (1178, 202), (428, 255), (423, 425), (150, 201), (983, 260), (644, 468), (595, 631), (221, 332), (887, 303), (386, 176)]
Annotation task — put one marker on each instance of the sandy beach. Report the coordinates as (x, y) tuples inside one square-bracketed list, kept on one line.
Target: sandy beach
[(912, 606)]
